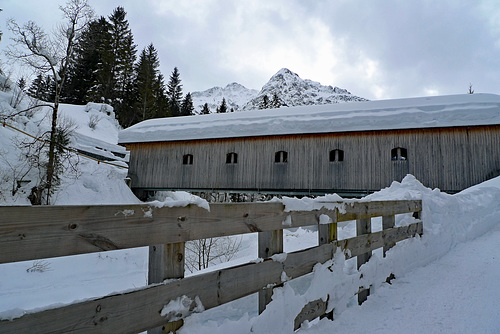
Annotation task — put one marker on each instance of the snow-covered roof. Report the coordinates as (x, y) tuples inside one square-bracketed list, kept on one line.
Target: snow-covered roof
[(410, 113)]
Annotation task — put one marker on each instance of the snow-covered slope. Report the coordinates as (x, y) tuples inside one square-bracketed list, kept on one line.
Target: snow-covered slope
[(235, 94), (288, 86), (94, 132)]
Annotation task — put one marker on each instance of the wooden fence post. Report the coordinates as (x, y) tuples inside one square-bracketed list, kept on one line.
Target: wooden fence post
[(363, 226), (387, 223), (328, 232), (270, 243), (166, 261)]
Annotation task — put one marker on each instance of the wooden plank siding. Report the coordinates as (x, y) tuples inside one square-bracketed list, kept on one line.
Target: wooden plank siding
[(450, 159)]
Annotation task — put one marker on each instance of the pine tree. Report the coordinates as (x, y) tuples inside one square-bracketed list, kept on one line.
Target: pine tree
[(114, 76), (223, 107), (187, 107), (276, 102), (82, 83), (160, 97), (264, 104), (146, 84), (205, 110), (174, 93), (37, 88)]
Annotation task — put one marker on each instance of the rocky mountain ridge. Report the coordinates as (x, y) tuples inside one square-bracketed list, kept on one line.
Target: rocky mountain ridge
[(285, 84)]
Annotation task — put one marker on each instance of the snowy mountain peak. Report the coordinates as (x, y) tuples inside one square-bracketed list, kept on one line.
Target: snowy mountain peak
[(234, 93), (291, 89)]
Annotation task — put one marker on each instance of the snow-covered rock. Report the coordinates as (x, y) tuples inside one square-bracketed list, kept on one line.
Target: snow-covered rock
[(295, 91), (235, 94)]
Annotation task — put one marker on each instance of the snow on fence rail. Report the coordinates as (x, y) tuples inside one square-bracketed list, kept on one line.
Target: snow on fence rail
[(29, 233)]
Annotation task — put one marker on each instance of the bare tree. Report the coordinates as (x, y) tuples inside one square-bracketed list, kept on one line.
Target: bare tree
[(200, 254), (54, 54), (470, 91)]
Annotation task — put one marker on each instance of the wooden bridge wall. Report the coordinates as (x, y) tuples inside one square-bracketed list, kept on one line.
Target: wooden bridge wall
[(447, 158)]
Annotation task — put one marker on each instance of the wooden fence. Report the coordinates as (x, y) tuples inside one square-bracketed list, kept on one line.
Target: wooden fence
[(29, 233)]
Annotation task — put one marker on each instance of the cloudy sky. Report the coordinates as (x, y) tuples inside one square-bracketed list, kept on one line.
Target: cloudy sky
[(375, 49)]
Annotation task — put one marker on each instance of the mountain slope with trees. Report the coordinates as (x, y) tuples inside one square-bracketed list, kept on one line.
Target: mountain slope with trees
[(284, 89)]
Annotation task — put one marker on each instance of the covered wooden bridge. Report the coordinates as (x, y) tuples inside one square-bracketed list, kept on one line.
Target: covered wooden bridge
[(446, 142)]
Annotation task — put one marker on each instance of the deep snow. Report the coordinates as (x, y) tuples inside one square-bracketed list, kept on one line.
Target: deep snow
[(445, 280)]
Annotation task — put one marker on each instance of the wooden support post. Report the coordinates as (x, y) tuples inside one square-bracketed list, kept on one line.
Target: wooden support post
[(327, 232), (270, 243), (166, 261), (363, 226), (387, 223)]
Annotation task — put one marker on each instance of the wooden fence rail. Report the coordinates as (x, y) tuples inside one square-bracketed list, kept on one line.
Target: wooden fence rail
[(28, 233)]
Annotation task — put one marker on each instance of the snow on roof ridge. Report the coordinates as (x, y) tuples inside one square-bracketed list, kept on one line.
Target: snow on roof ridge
[(420, 112)]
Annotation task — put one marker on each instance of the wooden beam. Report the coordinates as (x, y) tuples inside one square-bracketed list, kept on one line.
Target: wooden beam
[(387, 223), (311, 311), (270, 243), (28, 233), (363, 227), (364, 243), (166, 262), (364, 210), (327, 232)]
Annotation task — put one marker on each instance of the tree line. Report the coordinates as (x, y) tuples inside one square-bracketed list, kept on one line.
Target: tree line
[(106, 69)]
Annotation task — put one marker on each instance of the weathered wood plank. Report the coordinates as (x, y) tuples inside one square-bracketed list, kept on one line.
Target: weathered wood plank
[(361, 244), (28, 233), (387, 223), (363, 227), (311, 311), (39, 232), (166, 261), (364, 210), (270, 243), (328, 232)]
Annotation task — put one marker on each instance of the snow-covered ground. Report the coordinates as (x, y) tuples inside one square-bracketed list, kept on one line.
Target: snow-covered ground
[(446, 280)]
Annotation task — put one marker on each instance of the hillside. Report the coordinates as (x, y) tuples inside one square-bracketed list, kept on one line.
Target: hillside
[(93, 133), (288, 86)]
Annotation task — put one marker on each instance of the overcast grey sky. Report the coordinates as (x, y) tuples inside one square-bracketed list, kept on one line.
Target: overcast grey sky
[(375, 49)]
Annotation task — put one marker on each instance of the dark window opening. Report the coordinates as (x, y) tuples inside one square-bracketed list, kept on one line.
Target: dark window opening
[(281, 156), (232, 158), (399, 154), (187, 159), (336, 155)]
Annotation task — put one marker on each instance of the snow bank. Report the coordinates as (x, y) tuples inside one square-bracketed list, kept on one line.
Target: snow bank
[(425, 112), (449, 220)]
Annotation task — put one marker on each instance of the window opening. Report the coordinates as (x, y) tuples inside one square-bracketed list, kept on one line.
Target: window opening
[(399, 154), (336, 155), (281, 156), (187, 159), (232, 158)]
